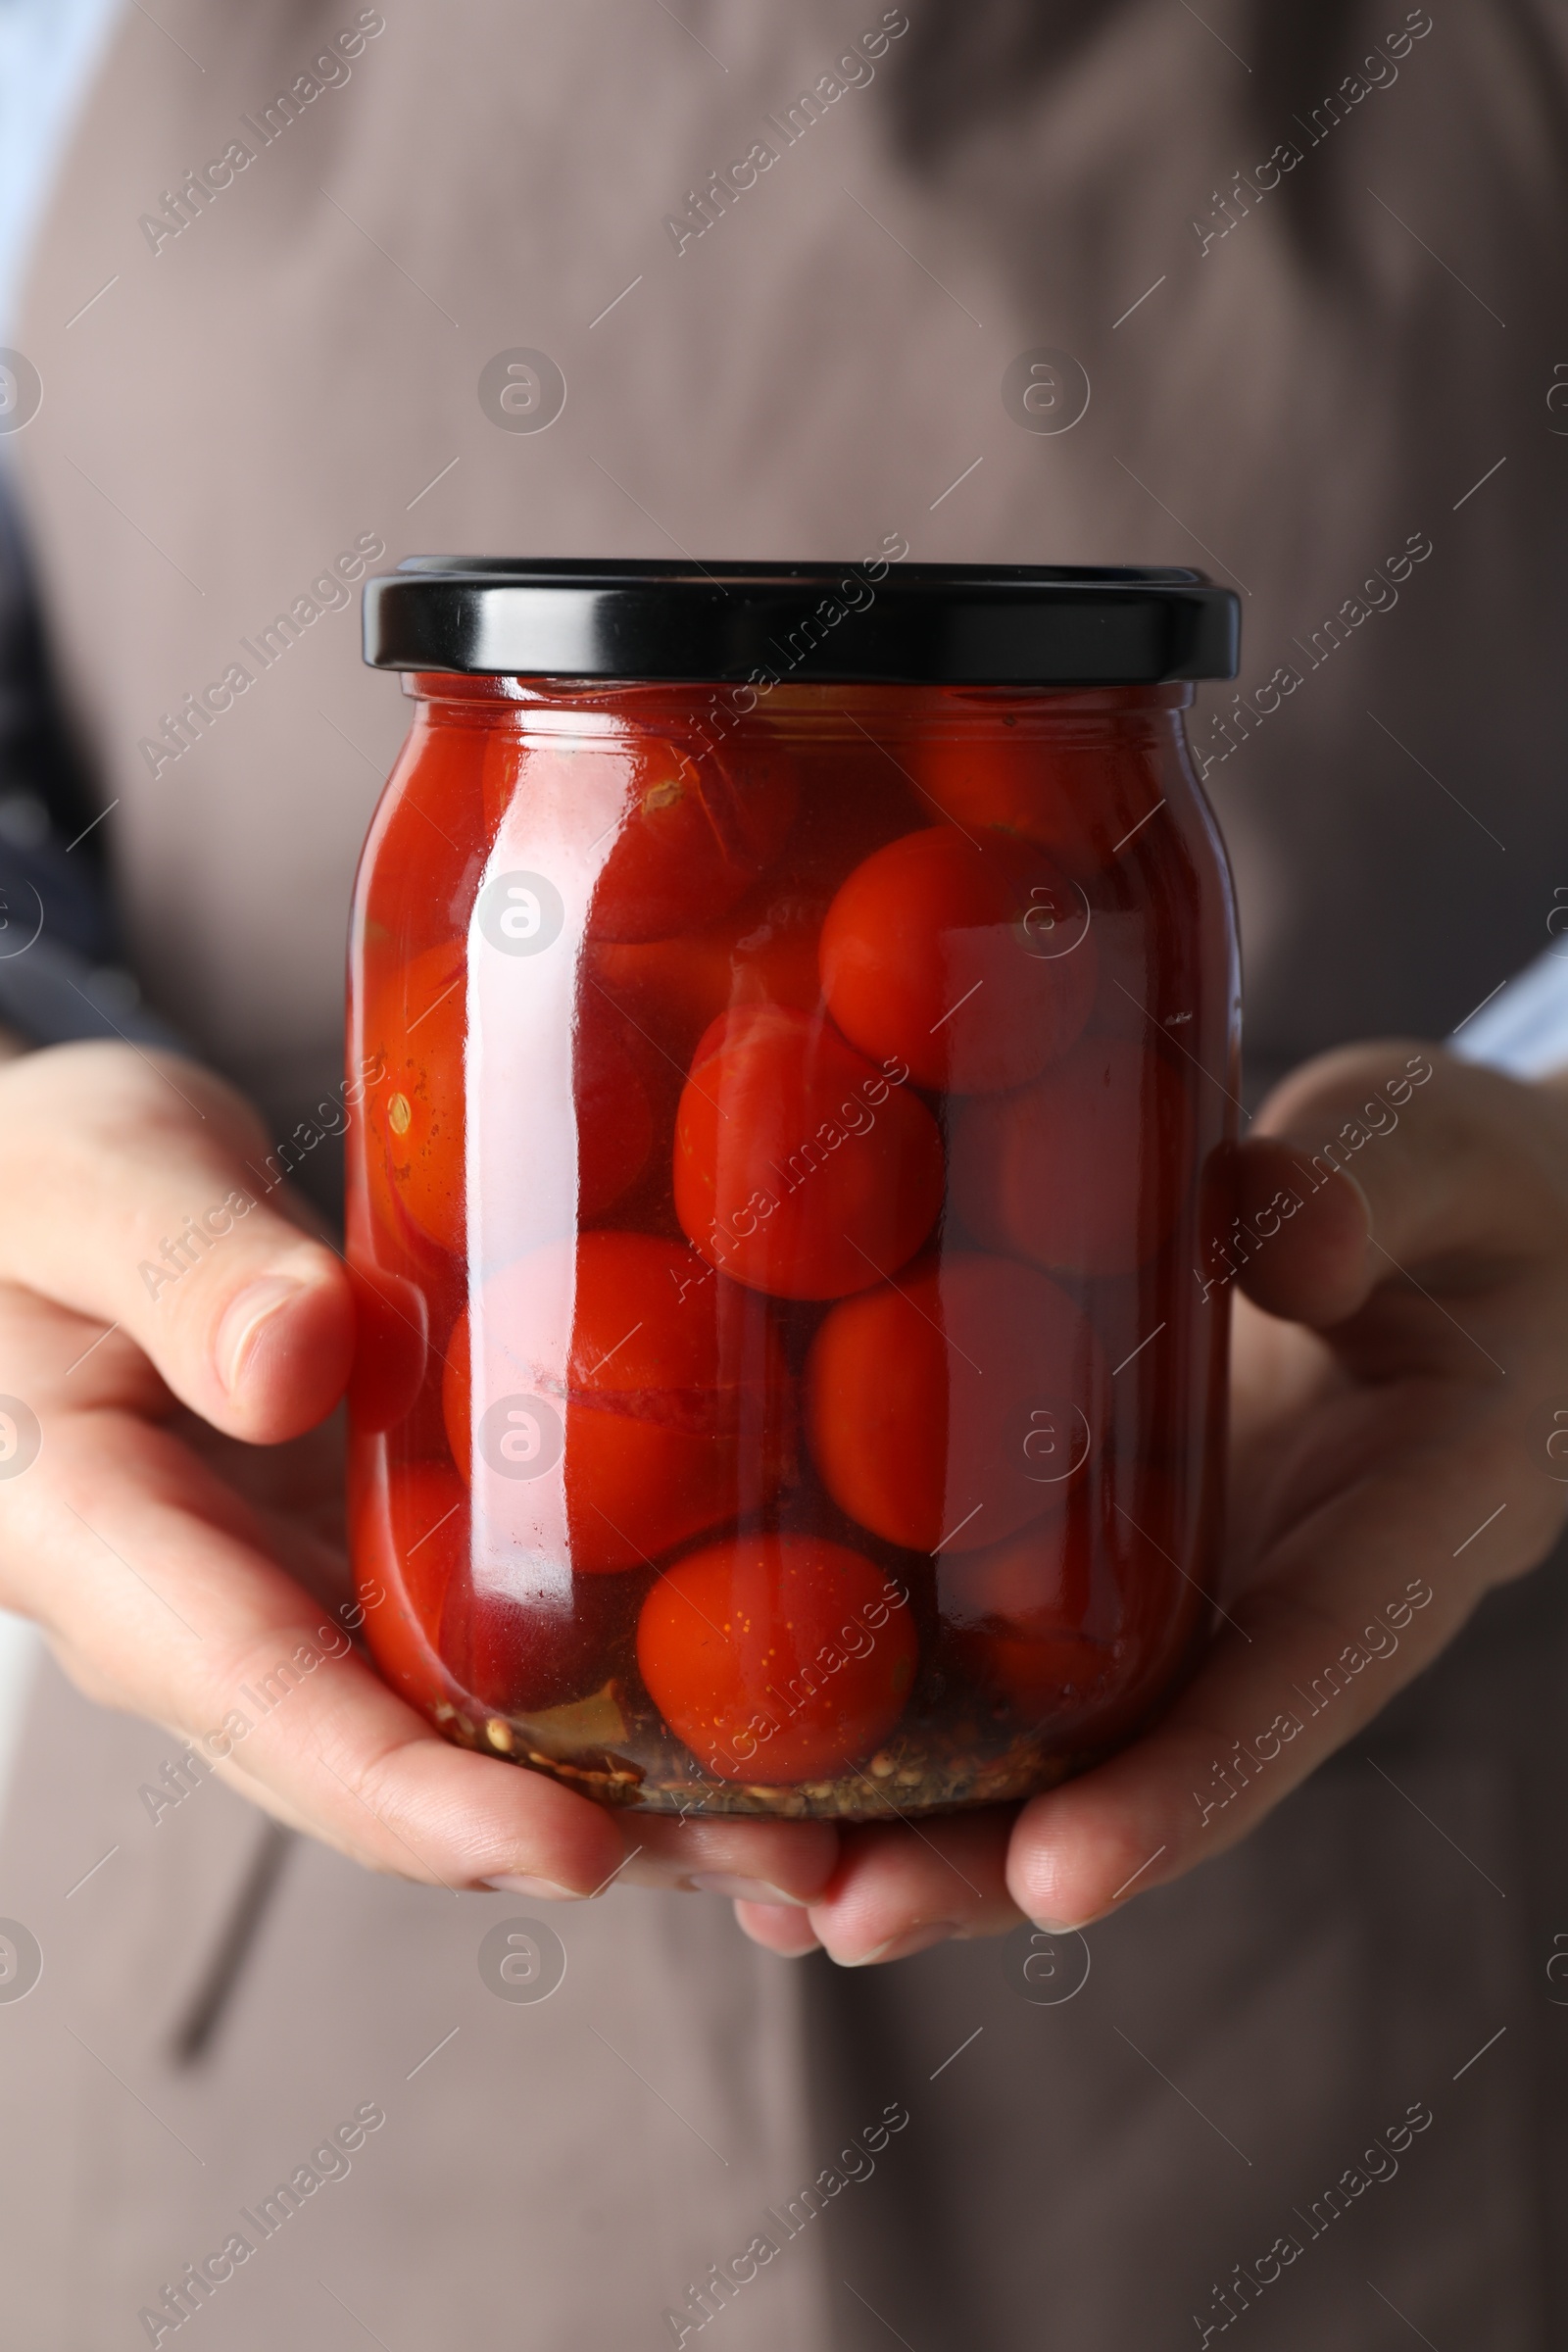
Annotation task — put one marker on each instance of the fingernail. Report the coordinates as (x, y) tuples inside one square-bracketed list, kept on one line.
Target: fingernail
[(1059, 1927), (246, 1318), (512, 1883), (745, 1890), (905, 1947)]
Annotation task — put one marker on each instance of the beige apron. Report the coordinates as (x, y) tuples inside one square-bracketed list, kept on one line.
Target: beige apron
[(268, 289)]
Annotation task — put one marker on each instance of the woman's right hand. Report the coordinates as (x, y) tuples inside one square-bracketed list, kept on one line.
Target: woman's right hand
[(171, 1494)]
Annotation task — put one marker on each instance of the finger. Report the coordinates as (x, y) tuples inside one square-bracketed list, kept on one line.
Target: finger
[(778, 1927), (900, 1888), (773, 1862), (1351, 1604), (158, 1598), (318, 1788), (1457, 1164), (139, 1193), (1300, 1234)]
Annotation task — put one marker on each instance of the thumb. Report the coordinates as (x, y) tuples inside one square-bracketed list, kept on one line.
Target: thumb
[(134, 1192)]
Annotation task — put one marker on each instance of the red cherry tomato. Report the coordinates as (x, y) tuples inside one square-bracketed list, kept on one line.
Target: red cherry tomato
[(1161, 1564), (665, 1391), (391, 1345), (418, 1027), (615, 1112), (1016, 1616), (951, 1407), (1088, 1169), (697, 829), (777, 1658), (800, 1169), (381, 1236), (1076, 801), (417, 1104), (1151, 1605), (971, 959), (1048, 1674), (1035, 1582), (409, 1538), (763, 952), (520, 1641), (1083, 1619)]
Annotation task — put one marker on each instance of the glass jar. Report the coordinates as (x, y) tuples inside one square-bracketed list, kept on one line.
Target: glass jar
[(796, 1010)]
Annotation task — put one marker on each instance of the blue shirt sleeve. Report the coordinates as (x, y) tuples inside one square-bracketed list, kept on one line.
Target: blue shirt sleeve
[(48, 50), (1522, 1029), (59, 975)]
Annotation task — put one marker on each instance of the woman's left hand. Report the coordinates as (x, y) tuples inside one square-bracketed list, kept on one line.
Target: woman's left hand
[(1400, 1369)]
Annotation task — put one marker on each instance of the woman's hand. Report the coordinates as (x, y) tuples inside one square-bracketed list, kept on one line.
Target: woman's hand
[(177, 1532), (1400, 1350)]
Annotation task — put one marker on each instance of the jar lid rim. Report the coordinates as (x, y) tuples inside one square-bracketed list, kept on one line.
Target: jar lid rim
[(877, 622)]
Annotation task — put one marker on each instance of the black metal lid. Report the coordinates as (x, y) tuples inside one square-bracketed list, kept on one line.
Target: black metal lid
[(873, 622)]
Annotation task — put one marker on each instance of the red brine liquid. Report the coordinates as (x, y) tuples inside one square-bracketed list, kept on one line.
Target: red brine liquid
[(782, 1211)]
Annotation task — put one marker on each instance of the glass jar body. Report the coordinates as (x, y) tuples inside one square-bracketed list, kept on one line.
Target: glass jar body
[(783, 1214)]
